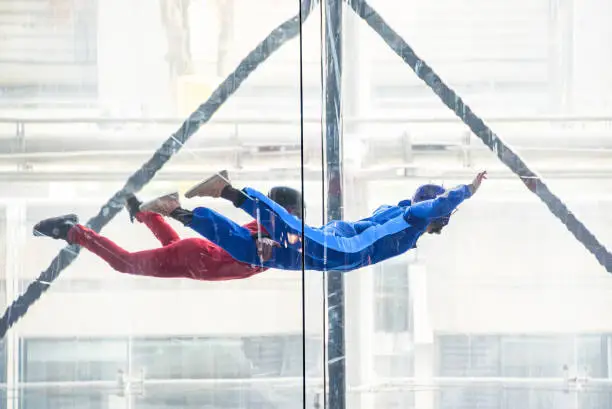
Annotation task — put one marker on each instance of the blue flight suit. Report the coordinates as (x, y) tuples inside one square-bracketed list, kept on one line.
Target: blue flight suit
[(338, 245)]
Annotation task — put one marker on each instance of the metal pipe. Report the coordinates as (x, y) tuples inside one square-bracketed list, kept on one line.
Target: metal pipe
[(383, 174), (332, 56), (296, 120)]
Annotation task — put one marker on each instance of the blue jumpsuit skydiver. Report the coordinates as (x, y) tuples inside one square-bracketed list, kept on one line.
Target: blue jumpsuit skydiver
[(338, 245)]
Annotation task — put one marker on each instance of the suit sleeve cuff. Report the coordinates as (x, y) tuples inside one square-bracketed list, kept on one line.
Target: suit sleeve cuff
[(468, 191)]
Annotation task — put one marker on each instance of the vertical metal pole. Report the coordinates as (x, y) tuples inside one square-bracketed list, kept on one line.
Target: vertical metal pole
[(332, 28)]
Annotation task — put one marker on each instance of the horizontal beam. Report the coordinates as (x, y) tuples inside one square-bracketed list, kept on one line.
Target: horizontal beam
[(381, 174), (382, 385), (549, 384), (210, 383), (109, 148), (268, 137), (442, 153), (296, 120)]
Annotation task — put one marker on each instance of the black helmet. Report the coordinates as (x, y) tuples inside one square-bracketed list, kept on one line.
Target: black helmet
[(289, 198)]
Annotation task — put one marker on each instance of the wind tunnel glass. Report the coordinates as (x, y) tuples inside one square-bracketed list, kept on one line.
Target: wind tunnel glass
[(508, 308)]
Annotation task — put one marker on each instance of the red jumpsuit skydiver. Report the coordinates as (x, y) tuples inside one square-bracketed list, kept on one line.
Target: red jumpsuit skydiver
[(194, 258)]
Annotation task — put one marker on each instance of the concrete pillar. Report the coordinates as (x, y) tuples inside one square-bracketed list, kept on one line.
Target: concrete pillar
[(359, 284), (424, 351), (359, 303)]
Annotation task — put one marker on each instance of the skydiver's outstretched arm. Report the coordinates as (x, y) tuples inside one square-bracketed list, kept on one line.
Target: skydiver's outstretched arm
[(446, 203)]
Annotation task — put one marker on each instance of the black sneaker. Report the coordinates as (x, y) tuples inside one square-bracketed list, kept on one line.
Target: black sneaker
[(56, 227), (133, 206)]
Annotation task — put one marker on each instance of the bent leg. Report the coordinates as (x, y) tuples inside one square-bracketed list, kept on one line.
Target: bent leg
[(159, 227), (229, 235)]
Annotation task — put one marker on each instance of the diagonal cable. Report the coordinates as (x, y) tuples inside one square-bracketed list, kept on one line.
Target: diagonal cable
[(510, 158), (278, 37)]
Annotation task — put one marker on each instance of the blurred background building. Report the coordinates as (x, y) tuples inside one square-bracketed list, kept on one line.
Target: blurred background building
[(505, 310)]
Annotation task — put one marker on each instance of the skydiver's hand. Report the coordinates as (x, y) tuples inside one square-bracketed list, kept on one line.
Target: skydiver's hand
[(265, 246), (477, 181)]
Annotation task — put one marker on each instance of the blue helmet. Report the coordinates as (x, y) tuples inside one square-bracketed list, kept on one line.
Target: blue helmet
[(429, 192)]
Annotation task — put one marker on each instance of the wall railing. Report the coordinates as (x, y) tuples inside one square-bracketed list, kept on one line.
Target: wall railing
[(533, 126), (241, 143)]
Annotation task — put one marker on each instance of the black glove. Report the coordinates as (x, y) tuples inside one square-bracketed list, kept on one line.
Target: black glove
[(133, 206)]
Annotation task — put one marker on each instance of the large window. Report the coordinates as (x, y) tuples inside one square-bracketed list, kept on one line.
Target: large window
[(521, 356), (526, 356), (48, 38), (209, 358), (70, 360), (533, 356), (82, 359), (90, 398), (185, 358), (555, 357), (464, 355), (71, 20), (56, 360), (392, 302), (282, 355), (530, 357), (222, 397), (85, 22), (160, 362)]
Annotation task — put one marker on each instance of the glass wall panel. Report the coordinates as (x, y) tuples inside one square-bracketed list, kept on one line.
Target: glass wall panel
[(206, 303)]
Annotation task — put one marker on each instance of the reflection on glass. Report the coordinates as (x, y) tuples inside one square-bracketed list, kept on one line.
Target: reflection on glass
[(478, 317)]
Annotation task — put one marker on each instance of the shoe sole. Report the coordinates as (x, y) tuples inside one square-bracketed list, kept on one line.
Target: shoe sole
[(36, 233), (68, 217), (148, 206), (193, 192)]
